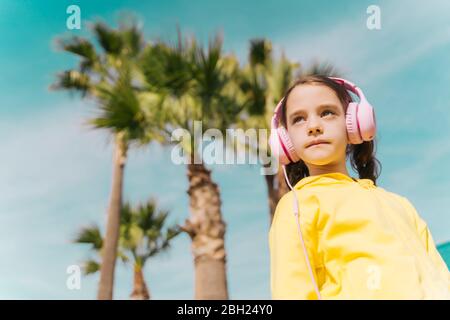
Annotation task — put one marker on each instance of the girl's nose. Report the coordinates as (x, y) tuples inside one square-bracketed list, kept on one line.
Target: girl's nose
[(314, 127)]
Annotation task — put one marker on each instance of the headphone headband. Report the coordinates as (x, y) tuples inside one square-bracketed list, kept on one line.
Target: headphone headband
[(350, 86)]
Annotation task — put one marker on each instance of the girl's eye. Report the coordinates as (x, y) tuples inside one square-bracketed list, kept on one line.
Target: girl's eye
[(327, 111), (297, 119)]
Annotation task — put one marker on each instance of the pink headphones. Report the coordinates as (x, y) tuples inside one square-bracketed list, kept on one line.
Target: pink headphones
[(360, 121)]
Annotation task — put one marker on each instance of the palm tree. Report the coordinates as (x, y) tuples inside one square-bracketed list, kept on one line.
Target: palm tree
[(108, 78), (194, 83), (264, 81), (141, 237)]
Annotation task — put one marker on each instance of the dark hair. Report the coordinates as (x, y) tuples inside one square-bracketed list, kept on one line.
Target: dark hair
[(362, 156)]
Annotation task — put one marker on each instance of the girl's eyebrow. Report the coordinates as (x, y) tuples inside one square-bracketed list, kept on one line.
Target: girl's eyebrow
[(319, 108)]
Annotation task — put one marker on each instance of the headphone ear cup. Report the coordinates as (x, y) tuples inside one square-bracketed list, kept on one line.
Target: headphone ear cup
[(351, 121), (279, 143), (274, 143), (366, 121), (290, 155)]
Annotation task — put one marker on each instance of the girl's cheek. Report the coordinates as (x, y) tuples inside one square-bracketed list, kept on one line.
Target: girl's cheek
[(298, 141)]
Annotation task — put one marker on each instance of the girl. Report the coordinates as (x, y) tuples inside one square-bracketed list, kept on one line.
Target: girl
[(334, 236)]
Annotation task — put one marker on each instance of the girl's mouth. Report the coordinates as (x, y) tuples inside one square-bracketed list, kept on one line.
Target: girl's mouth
[(318, 144)]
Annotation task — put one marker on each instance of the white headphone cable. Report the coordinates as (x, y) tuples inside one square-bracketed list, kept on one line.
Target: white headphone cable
[(296, 214)]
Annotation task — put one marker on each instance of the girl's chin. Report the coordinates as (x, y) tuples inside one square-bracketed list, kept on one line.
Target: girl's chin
[(318, 159)]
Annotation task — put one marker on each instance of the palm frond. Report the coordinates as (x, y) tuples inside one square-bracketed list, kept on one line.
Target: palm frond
[(166, 69), (80, 47), (133, 41), (207, 71), (126, 214), (260, 52), (120, 109), (90, 267), (164, 241), (146, 234), (281, 79), (72, 80), (90, 235), (109, 39)]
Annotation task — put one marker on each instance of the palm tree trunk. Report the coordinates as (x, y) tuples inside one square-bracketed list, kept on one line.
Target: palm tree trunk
[(276, 189), (283, 188), (207, 231), (140, 291), (109, 252), (272, 194)]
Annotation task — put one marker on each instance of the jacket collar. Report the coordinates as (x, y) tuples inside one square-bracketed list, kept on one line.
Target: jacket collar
[(331, 178)]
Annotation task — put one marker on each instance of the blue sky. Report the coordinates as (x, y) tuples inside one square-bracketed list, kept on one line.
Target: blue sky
[(56, 173)]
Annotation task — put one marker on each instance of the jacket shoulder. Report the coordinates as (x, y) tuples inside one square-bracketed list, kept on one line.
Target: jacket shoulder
[(308, 205), (403, 202), (284, 204)]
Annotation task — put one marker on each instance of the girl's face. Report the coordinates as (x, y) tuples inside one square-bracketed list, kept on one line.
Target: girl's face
[(314, 112)]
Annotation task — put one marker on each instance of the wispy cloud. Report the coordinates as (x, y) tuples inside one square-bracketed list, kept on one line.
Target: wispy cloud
[(408, 32)]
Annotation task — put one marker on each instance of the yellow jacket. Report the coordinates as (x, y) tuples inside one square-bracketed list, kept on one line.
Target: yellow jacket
[(363, 243)]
